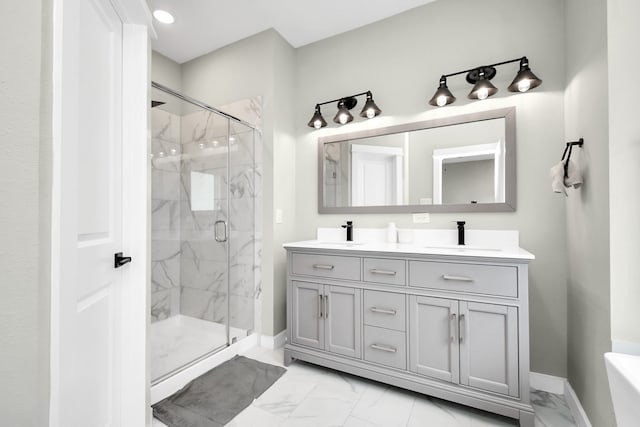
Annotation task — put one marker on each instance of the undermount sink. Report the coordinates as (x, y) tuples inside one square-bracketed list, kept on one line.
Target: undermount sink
[(464, 247)]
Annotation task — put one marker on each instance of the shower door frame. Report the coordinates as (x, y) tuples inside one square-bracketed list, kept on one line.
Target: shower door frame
[(229, 117)]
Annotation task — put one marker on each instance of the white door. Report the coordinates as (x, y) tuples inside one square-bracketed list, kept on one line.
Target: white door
[(376, 174), (87, 352)]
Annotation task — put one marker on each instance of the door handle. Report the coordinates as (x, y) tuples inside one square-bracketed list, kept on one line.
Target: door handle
[(119, 260), (462, 328), (453, 327), (326, 306), (215, 229), (320, 305)]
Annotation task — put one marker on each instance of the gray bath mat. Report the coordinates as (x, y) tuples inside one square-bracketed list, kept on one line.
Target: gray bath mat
[(214, 398)]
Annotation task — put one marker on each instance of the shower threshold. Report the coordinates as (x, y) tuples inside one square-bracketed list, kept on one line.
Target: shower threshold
[(181, 341)]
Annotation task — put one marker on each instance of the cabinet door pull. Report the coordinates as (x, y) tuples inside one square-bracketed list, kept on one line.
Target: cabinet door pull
[(452, 327), (326, 306), (320, 305), (383, 310), (462, 326), (383, 272), (458, 278), (384, 348), (323, 266)]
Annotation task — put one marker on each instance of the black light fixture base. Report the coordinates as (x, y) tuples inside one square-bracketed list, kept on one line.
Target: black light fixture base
[(473, 75), (349, 102)]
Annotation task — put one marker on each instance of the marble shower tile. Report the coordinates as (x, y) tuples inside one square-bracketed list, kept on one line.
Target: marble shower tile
[(242, 181), (160, 305), (165, 185), (204, 274), (165, 274), (165, 125), (208, 249), (166, 155), (165, 215), (241, 315), (202, 304), (241, 213)]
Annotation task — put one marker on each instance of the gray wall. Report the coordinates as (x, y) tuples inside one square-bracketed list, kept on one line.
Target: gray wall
[(624, 186), (587, 220), (401, 59), (25, 170)]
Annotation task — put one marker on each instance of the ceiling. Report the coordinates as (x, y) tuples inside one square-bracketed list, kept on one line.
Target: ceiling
[(202, 26)]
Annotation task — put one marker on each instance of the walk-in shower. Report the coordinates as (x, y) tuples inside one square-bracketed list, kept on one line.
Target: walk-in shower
[(205, 247)]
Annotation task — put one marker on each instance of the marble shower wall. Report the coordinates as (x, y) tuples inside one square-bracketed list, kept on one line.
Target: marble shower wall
[(206, 139), (165, 216)]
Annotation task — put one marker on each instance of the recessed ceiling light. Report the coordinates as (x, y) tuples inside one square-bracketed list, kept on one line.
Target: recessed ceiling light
[(163, 16)]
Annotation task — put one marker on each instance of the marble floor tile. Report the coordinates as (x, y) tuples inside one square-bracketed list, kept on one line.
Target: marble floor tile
[(311, 396)]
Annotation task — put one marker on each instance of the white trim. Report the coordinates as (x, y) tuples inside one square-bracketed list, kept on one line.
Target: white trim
[(625, 347), (579, 415), (548, 383), (175, 382), (135, 197), (274, 342)]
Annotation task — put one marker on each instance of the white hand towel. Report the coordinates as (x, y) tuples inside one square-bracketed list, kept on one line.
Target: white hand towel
[(574, 171), (557, 178)]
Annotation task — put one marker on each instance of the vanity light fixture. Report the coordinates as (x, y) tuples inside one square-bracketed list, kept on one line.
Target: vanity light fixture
[(480, 78), (343, 116)]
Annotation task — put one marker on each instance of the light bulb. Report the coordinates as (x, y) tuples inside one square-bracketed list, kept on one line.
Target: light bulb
[(371, 113), (483, 93), (173, 151), (343, 118), (441, 101), (215, 143), (163, 16), (524, 85), (201, 145), (317, 124), (161, 154)]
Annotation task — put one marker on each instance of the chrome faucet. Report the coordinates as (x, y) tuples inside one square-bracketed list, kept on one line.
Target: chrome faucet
[(349, 227)]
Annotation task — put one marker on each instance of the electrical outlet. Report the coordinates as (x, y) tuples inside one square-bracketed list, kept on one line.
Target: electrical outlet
[(421, 218), (279, 216)]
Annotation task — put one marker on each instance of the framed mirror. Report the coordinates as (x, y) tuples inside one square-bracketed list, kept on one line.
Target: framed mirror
[(464, 163)]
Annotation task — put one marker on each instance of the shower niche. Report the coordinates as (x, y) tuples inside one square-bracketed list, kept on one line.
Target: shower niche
[(205, 226)]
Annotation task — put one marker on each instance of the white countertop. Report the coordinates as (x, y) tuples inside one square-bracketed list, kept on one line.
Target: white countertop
[(498, 244)]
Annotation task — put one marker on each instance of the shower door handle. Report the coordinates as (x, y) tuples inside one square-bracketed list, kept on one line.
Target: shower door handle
[(216, 228)]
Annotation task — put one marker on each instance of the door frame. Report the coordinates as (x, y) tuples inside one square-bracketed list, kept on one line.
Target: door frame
[(137, 27)]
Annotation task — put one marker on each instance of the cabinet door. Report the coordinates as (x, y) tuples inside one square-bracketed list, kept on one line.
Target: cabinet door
[(307, 314), (489, 347), (433, 325), (343, 320)]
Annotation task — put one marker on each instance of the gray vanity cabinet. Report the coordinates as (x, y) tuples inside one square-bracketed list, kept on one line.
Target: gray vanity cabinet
[(464, 342), (453, 327), (327, 317), (488, 338)]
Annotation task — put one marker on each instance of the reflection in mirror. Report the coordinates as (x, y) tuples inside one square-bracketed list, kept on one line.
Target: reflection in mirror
[(463, 163)]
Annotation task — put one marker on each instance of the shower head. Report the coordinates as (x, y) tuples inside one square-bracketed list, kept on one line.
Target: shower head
[(156, 103)]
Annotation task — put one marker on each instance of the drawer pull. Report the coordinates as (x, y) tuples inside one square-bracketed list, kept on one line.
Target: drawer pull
[(383, 272), (323, 266), (383, 311), (457, 278), (384, 348)]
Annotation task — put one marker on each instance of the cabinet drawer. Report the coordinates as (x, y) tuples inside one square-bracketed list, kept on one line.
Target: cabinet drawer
[(385, 309), (331, 266), (475, 278), (380, 270), (385, 347)]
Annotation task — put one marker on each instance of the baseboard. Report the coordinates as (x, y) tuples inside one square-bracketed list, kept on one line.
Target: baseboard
[(577, 410), (548, 383), (275, 342)]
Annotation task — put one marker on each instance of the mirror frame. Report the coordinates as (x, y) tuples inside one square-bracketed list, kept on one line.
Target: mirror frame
[(509, 114)]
